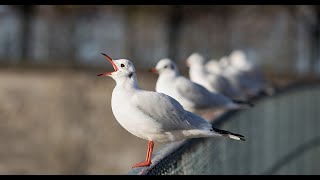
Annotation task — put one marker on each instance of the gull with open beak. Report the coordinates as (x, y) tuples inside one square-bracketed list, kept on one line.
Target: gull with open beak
[(192, 96), (154, 116)]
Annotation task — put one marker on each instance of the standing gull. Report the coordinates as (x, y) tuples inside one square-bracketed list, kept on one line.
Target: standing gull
[(250, 73), (192, 96), (223, 68), (214, 82), (154, 116)]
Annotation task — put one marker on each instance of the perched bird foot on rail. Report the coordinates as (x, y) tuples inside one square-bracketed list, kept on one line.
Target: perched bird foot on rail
[(145, 163)]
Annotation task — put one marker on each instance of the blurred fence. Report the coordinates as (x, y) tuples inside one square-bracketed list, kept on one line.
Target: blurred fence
[(282, 133)]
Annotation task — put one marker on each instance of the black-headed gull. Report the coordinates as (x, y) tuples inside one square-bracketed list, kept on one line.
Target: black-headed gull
[(249, 74), (213, 66), (192, 96), (212, 81), (154, 116), (223, 68)]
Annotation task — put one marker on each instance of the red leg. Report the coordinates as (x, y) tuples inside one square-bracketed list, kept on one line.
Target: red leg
[(148, 157)]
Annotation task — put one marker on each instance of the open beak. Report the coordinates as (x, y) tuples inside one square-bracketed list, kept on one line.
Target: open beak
[(153, 70), (112, 63)]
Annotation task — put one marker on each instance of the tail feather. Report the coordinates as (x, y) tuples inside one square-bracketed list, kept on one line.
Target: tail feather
[(249, 103), (229, 134), (268, 91)]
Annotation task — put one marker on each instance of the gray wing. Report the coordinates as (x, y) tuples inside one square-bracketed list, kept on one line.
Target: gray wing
[(216, 82), (199, 95), (168, 112), (224, 86), (233, 79), (230, 90)]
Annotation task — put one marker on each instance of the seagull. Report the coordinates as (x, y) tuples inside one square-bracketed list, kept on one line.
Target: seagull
[(153, 116), (192, 96), (223, 67), (213, 66), (214, 82), (250, 75)]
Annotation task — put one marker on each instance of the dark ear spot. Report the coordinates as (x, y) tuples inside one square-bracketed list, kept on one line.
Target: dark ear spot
[(172, 67), (130, 75)]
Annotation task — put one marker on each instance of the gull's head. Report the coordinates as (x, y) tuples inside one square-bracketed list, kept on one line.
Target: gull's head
[(213, 66), (213, 63), (239, 60), (165, 66), (195, 59), (224, 62), (123, 68)]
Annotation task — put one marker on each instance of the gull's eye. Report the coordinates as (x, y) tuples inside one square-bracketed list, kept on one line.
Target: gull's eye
[(122, 65), (165, 66)]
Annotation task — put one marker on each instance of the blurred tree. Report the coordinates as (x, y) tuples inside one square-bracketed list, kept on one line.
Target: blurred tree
[(316, 42), (26, 14), (129, 13), (174, 28)]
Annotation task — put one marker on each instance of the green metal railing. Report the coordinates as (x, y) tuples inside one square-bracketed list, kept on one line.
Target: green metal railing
[(282, 133)]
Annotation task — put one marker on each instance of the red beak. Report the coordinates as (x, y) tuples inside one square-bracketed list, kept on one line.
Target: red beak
[(112, 63), (153, 70)]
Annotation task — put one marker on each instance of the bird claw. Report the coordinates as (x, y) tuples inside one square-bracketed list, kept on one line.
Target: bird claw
[(145, 163)]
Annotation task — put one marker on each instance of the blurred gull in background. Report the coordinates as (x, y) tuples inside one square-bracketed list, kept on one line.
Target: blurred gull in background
[(249, 74), (192, 96), (214, 82)]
